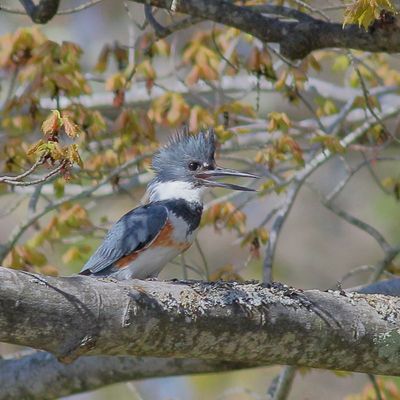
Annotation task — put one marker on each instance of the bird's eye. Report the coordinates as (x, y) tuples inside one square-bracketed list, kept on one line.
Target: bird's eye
[(194, 166)]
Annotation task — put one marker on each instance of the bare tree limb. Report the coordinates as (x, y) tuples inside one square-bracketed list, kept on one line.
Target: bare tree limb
[(247, 323), (39, 376), (296, 38), (17, 180), (29, 171)]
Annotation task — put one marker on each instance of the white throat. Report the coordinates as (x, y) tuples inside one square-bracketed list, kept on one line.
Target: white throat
[(175, 190)]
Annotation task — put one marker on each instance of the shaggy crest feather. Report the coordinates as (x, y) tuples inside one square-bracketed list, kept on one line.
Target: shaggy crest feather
[(170, 162)]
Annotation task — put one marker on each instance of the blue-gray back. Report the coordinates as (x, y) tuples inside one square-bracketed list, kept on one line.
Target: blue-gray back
[(132, 232)]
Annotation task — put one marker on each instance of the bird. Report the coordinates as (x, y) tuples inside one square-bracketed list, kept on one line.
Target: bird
[(145, 239)]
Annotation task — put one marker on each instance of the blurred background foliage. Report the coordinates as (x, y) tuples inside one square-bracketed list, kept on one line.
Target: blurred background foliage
[(87, 98)]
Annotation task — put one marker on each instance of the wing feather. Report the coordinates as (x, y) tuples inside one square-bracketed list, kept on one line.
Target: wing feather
[(134, 231)]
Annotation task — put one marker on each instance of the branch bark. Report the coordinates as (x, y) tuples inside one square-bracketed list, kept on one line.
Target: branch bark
[(296, 38), (42, 12), (40, 376), (246, 323)]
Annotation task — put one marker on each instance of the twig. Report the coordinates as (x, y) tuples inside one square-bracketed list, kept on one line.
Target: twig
[(82, 7), (375, 176), (355, 271), (191, 268), (375, 385), (334, 8), (280, 218), (312, 9), (184, 270), (15, 204), (297, 182), (340, 186), (281, 385), (366, 96), (11, 86), (369, 229), (203, 258), (225, 57), (382, 265), (159, 29), (23, 226), (269, 216), (55, 171), (38, 162)]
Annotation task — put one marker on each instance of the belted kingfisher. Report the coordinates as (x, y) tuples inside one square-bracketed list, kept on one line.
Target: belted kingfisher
[(145, 239)]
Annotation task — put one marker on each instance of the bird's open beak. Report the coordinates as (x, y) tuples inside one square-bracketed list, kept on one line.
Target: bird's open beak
[(206, 176)]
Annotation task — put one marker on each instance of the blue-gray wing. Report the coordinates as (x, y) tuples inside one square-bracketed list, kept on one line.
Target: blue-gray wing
[(134, 231)]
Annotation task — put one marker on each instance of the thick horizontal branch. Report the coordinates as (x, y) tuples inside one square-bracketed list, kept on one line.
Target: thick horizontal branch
[(296, 38), (40, 376), (246, 323)]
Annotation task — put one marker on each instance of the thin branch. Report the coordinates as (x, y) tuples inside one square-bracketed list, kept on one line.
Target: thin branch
[(375, 176), (297, 182), (380, 268), (369, 229), (45, 178), (12, 207), (366, 95), (312, 9), (359, 270), (376, 387), (281, 385), (43, 12), (23, 226), (203, 259), (184, 269), (280, 217), (38, 162), (160, 30), (82, 7)]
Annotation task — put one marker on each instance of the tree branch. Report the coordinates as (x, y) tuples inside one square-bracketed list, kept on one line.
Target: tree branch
[(296, 38), (245, 323), (43, 12), (17, 180), (40, 376)]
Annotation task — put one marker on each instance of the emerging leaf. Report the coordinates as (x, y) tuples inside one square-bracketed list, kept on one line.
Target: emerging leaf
[(278, 121), (71, 129), (116, 82), (73, 155), (52, 123), (364, 12)]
